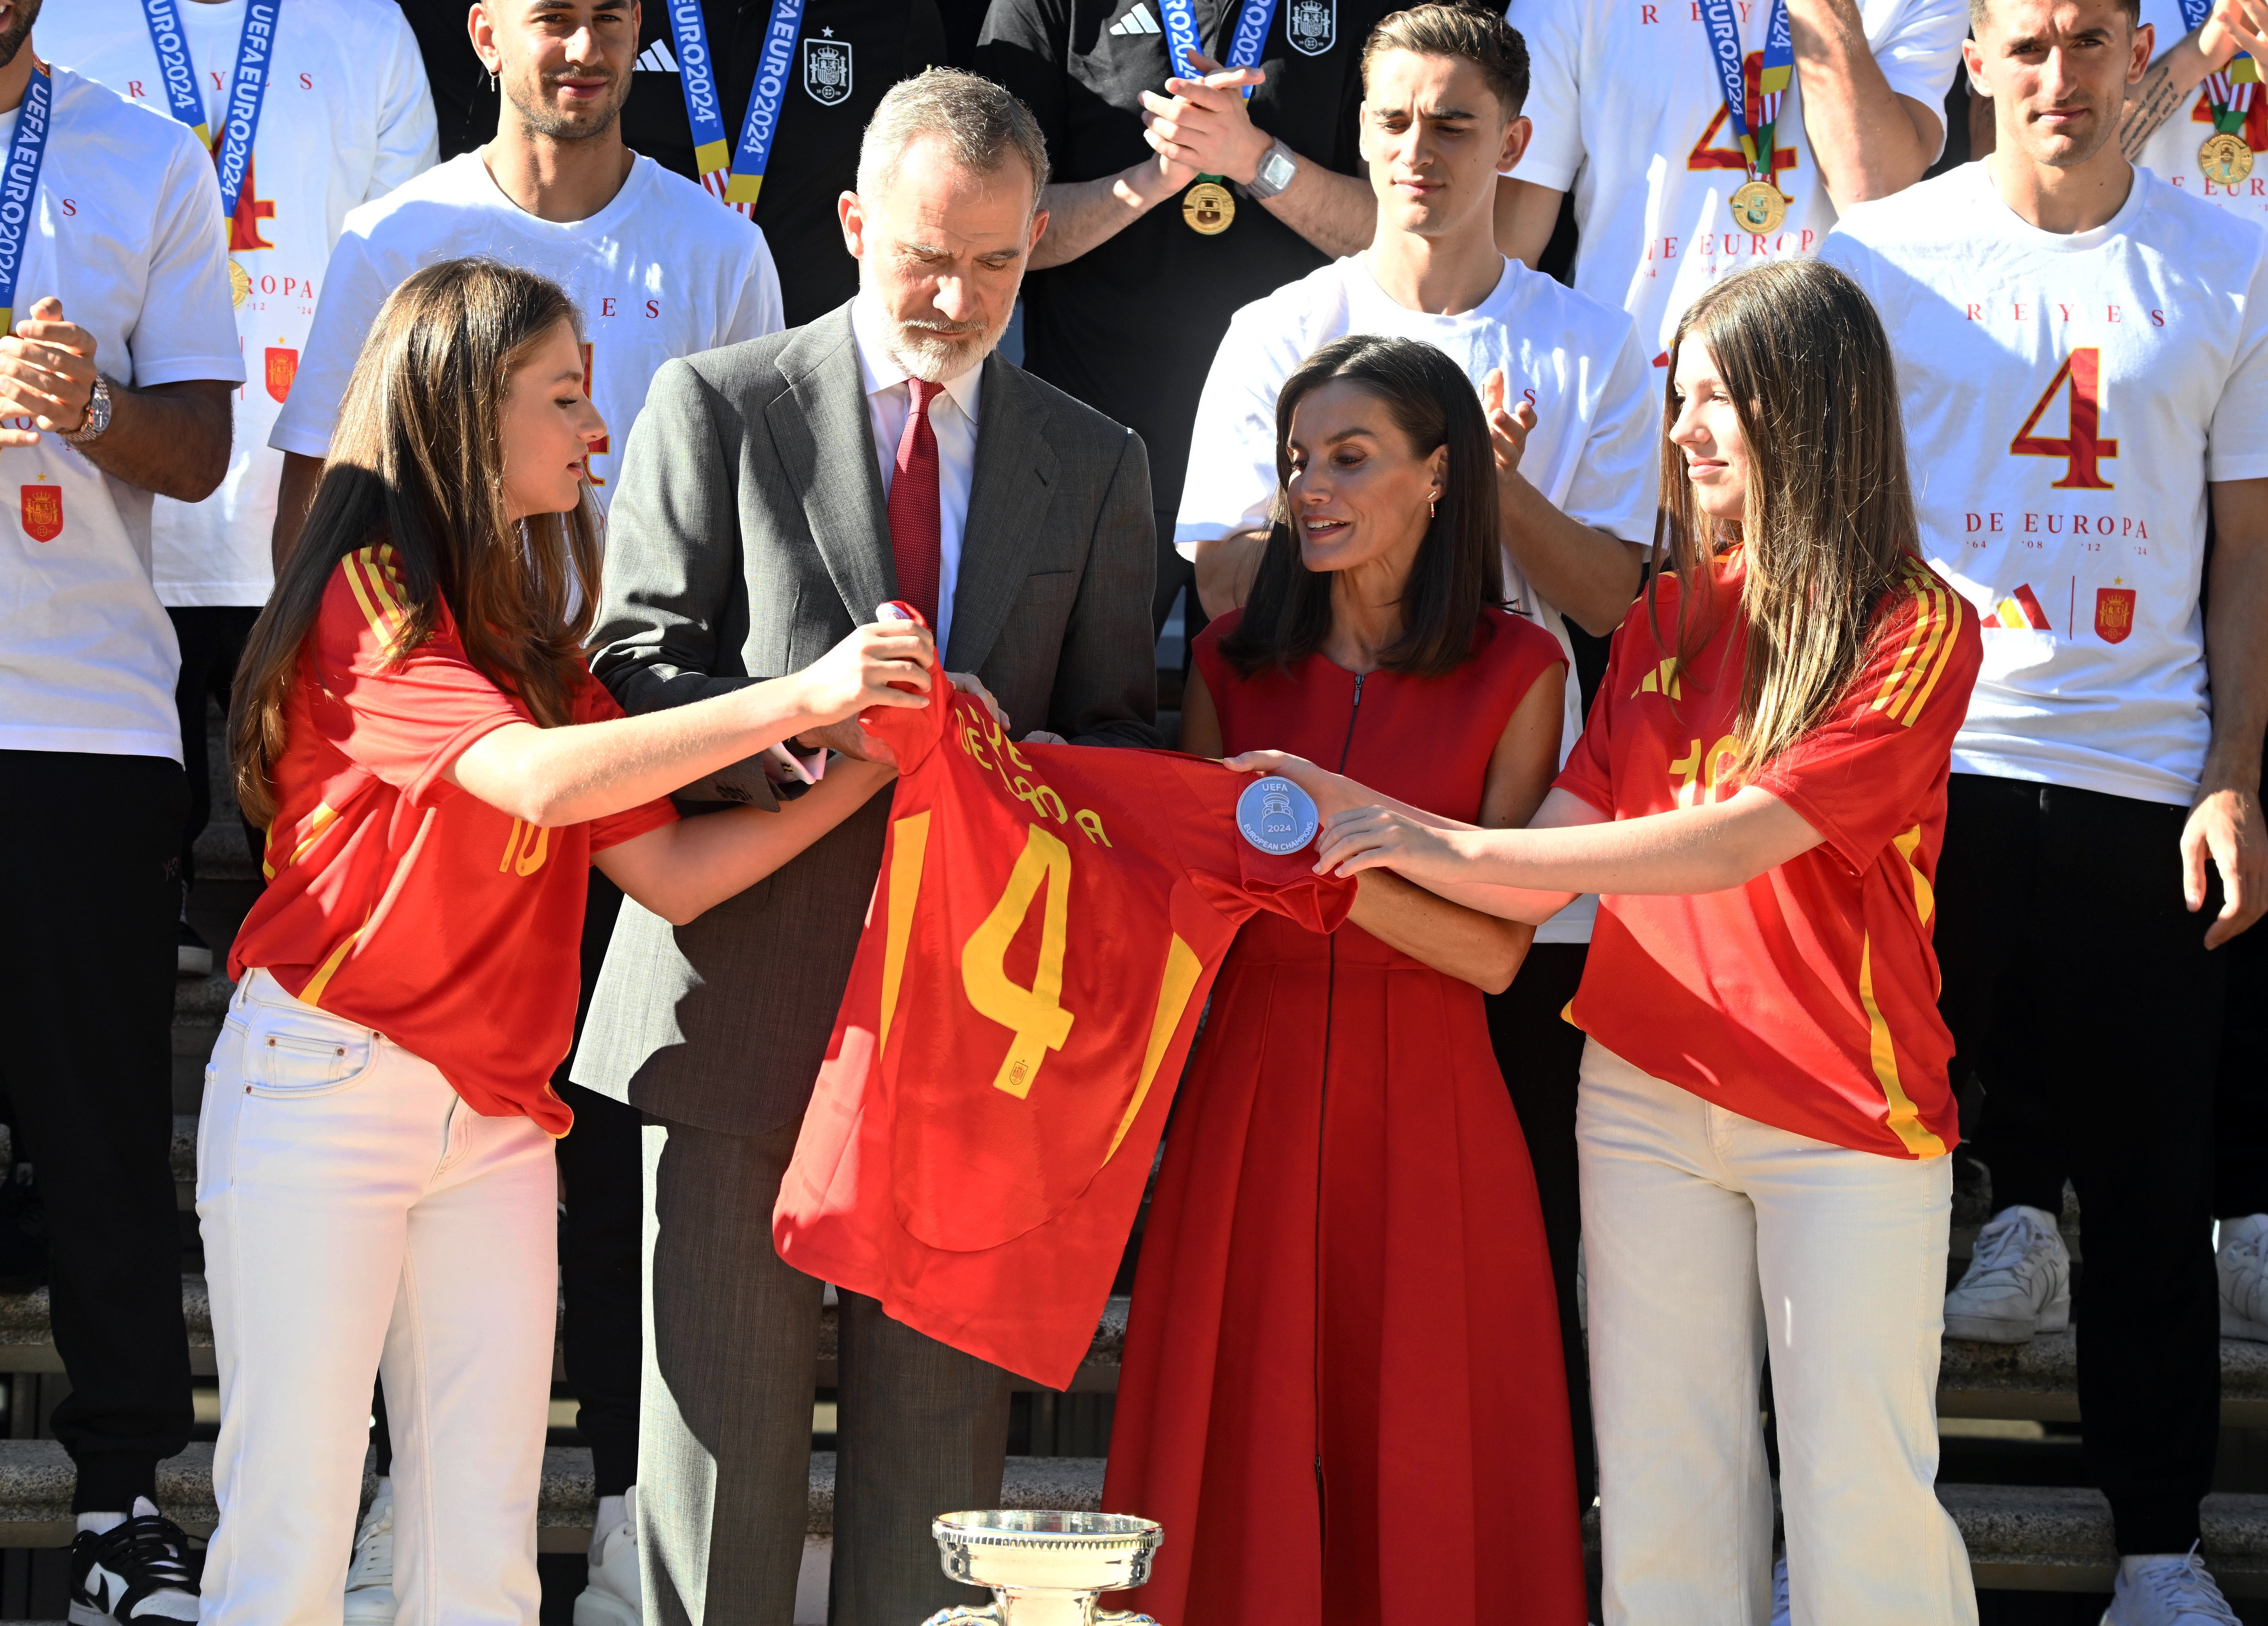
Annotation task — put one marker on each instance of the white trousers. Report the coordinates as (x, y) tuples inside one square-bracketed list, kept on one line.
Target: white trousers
[(1709, 1240), (358, 1218)]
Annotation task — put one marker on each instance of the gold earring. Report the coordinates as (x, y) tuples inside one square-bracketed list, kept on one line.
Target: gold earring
[(1433, 507)]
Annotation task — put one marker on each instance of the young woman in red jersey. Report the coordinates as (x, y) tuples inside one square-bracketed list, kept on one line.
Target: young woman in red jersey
[(1764, 1115), (437, 771), (1343, 1391)]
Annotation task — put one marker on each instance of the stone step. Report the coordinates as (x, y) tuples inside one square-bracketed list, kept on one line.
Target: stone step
[(36, 1479), (2020, 1538), (2040, 1379), (27, 1341)]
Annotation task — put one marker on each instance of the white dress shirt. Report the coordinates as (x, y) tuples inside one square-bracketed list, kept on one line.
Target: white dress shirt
[(951, 416)]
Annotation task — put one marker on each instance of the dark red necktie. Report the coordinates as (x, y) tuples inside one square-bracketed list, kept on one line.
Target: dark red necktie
[(916, 534)]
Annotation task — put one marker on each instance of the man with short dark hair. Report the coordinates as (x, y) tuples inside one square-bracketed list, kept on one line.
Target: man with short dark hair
[(773, 492), (2083, 354)]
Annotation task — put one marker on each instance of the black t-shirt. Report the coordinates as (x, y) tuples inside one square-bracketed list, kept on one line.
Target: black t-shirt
[(1130, 326), (814, 157)]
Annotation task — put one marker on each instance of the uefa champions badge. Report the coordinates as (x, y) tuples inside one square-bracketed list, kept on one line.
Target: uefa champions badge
[(1277, 816)]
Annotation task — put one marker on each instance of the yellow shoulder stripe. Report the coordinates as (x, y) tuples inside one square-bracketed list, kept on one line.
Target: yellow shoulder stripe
[(1903, 1118), (376, 582), (1929, 643)]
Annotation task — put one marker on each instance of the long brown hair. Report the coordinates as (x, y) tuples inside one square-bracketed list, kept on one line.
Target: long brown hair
[(416, 462), (1458, 569), (1829, 524)]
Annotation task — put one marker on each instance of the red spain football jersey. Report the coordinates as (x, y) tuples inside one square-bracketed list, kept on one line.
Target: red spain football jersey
[(1045, 926), (1805, 999), (396, 899)]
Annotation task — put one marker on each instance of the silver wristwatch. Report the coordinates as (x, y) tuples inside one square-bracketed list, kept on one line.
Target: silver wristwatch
[(1275, 173), (98, 415)]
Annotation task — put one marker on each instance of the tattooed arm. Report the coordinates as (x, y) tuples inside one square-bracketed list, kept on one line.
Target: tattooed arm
[(2233, 25)]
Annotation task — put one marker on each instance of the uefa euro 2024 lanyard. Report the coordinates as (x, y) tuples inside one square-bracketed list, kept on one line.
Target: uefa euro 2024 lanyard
[(2227, 156), (248, 90), (1758, 204), (19, 187), (1209, 206), (705, 105)]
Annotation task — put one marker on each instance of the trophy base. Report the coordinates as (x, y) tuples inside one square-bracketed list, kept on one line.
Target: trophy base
[(1044, 1569)]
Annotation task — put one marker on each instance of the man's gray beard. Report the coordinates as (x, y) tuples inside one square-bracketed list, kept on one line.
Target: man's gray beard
[(935, 359)]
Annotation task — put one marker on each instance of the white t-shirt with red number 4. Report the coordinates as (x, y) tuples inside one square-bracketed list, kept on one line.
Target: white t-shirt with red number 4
[(1629, 113), (659, 273), (2067, 398), (2173, 151), (346, 118)]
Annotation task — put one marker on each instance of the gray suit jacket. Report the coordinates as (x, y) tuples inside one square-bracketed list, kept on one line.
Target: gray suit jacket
[(747, 538)]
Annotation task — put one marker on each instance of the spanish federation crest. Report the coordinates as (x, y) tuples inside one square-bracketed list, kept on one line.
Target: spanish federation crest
[(826, 70), (1313, 25), (1277, 816)]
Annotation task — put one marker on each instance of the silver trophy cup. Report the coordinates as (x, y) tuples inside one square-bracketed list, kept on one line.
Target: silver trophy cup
[(1045, 1568)]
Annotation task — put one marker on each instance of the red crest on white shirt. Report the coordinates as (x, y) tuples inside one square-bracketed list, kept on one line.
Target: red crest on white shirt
[(43, 513)]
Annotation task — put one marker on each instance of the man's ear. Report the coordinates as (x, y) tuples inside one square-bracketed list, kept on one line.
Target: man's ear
[(1517, 135), (1039, 230), (854, 224)]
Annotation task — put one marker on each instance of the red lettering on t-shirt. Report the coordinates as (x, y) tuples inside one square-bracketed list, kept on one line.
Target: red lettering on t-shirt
[(1976, 523), (2065, 310), (1996, 525), (2031, 524), (2113, 315), (216, 78), (71, 206), (2157, 318), (2019, 313), (134, 89), (607, 306), (652, 308), (1976, 312), (1646, 15), (307, 83)]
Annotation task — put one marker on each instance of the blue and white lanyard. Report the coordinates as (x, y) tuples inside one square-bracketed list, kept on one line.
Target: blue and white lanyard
[(1725, 54), (19, 187), (704, 110), (247, 88), (1245, 41)]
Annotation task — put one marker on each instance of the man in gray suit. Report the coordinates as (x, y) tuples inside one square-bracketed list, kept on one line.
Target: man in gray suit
[(773, 494)]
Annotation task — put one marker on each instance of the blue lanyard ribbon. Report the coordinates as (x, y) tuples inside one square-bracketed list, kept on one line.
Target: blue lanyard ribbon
[(1245, 41), (2228, 103), (1725, 55), (19, 187), (246, 90), (164, 18), (704, 101)]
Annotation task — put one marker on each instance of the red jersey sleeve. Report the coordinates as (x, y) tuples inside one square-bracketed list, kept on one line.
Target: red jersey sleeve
[(1588, 771), (1857, 778), (405, 721), (594, 704)]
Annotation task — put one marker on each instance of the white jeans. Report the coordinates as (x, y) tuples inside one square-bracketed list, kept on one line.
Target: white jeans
[(357, 1217), (1710, 1239)]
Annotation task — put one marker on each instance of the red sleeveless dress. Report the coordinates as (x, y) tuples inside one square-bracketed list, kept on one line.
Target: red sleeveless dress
[(1343, 1392)]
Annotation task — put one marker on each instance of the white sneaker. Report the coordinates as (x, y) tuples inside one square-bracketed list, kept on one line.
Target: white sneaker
[(2018, 1282), (1780, 1591), (613, 1597), (370, 1577), (2242, 1262), (2166, 1589)]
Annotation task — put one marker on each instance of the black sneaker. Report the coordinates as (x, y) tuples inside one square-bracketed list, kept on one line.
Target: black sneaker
[(194, 956), (138, 1571)]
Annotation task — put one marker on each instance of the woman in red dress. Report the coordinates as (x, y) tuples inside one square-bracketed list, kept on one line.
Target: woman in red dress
[(1343, 1392)]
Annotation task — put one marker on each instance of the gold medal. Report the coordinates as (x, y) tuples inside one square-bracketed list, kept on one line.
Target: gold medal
[(2226, 157), (1208, 207), (240, 283), (1758, 206)]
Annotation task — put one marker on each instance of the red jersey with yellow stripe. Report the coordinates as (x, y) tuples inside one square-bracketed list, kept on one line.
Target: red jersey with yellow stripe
[(1046, 926), (1805, 999), (396, 899)]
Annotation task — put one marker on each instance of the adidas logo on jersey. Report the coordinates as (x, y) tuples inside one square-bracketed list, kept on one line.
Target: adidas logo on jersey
[(1139, 20), (656, 58)]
